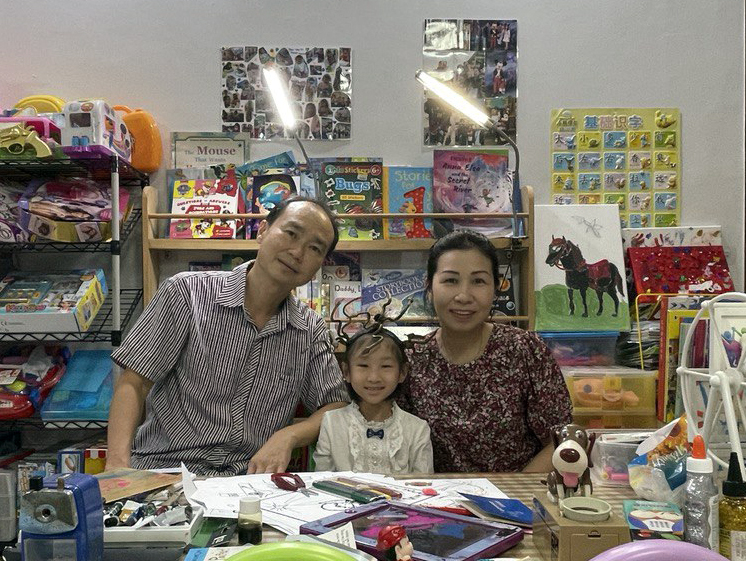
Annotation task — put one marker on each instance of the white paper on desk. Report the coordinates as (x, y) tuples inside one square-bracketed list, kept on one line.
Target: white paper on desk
[(287, 511), (344, 535)]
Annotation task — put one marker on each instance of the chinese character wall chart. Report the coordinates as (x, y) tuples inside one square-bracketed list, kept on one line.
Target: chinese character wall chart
[(318, 81), (479, 59), (628, 157)]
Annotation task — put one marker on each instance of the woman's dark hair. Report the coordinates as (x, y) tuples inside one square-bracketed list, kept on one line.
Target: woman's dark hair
[(367, 337), (462, 239), (280, 207)]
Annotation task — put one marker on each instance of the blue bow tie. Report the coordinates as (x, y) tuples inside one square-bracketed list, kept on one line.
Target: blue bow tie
[(371, 433)]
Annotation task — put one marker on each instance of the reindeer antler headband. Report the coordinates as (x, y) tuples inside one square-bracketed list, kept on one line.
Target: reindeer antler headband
[(374, 326)]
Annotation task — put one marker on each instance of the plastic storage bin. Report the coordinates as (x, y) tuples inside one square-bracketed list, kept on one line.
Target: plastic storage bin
[(593, 348), (612, 396), (611, 454), (84, 393)]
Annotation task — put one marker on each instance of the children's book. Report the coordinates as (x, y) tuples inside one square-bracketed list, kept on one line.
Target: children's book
[(345, 303), (341, 266), (401, 285), (471, 181), (206, 196), (505, 303), (407, 190), (354, 188), (310, 293), (509, 510), (267, 190)]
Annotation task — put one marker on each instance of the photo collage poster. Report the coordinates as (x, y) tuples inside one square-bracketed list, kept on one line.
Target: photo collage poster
[(630, 157), (479, 59), (318, 81)]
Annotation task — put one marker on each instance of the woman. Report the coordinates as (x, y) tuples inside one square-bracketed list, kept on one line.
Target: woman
[(491, 393)]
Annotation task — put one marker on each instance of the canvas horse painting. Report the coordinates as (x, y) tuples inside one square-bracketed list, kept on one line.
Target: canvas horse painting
[(602, 276)]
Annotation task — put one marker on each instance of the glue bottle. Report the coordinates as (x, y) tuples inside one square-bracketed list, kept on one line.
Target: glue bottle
[(249, 521), (702, 497), (733, 513)]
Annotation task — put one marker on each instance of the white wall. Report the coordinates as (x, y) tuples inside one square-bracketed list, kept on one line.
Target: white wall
[(163, 56)]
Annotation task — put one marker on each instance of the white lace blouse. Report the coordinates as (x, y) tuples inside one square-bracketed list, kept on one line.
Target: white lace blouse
[(344, 444)]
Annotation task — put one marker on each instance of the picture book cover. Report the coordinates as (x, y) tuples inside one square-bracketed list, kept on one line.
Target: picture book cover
[(205, 196), (341, 266), (267, 190), (345, 299), (401, 285), (354, 188), (468, 181), (579, 269), (505, 303), (407, 190)]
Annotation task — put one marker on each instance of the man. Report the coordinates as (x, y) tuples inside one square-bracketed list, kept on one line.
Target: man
[(218, 361)]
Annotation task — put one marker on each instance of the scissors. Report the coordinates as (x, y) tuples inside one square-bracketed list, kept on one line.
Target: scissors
[(291, 482)]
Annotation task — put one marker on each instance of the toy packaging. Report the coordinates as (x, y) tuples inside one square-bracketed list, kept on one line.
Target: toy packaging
[(51, 302), (206, 196), (10, 194), (70, 210), (27, 375), (649, 520)]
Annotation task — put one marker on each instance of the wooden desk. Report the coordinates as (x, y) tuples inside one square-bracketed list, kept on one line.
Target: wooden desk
[(521, 486)]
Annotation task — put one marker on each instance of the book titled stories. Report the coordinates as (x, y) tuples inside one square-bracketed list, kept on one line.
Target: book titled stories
[(354, 188), (469, 181), (407, 190)]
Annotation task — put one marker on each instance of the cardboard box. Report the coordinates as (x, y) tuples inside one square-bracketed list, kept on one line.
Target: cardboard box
[(62, 302), (560, 539)]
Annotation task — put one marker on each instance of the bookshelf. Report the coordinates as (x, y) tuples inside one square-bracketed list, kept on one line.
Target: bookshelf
[(518, 250)]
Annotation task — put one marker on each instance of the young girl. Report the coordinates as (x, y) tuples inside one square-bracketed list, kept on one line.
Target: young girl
[(372, 434)]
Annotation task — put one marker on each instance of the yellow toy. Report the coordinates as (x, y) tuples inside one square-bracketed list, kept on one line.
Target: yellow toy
[(42, 103), (663, 120), (17, 138), (603, 393)]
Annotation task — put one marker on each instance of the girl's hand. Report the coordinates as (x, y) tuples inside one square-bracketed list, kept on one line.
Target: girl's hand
[(274, 456)]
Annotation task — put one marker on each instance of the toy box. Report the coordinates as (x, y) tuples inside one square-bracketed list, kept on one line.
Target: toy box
[(611, 389), (10, 193), (592, 348), (612, 453), (51, 302), (70, 210), (44, 127), (85, 391), (92, 122), (27, 375)]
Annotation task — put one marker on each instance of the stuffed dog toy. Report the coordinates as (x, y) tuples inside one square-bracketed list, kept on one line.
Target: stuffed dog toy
[(572, 462)]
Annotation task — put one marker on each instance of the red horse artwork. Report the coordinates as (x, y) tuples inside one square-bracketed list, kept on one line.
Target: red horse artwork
[(601, 276)]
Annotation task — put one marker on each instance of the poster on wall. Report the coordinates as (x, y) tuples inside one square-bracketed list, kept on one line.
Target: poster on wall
[(629, 157), (318, 82), (579, 269), (479, 59)]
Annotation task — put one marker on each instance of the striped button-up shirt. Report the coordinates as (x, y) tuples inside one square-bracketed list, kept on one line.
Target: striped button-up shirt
[(221, 387)]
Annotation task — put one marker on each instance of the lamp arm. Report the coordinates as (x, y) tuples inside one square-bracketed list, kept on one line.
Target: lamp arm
[(493, 125), (308, 165)]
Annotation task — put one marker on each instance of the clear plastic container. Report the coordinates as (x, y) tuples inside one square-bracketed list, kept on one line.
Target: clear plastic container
[(593, 348)]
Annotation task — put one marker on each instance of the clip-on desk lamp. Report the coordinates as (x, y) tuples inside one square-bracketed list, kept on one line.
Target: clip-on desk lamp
[(282, 104), (463, 106)]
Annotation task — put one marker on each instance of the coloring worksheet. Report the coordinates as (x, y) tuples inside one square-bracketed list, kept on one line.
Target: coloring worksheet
[(288, 510)]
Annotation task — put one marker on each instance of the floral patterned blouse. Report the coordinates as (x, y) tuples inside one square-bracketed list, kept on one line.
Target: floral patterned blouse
[(490, 414)]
